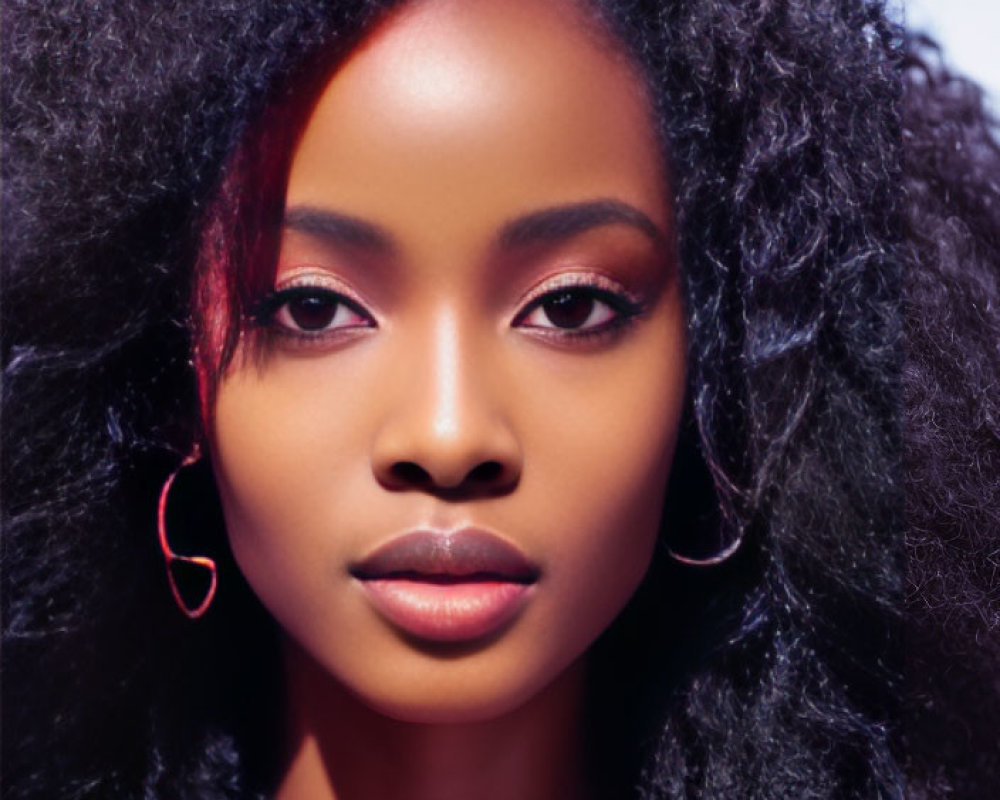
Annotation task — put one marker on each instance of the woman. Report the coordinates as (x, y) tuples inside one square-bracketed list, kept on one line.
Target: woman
[(458, 271)]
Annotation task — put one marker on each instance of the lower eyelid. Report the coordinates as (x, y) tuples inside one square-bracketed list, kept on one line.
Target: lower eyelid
[(296, 341), (573, 338)]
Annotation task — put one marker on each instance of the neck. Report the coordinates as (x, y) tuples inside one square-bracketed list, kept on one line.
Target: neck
[(343, 750)]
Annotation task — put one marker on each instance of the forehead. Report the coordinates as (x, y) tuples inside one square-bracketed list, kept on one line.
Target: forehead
[(449, 103)]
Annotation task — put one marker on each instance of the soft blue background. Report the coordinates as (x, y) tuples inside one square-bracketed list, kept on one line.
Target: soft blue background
[(969, 32)]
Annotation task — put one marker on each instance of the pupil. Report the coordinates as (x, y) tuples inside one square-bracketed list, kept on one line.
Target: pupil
[(568, 309), (312, 313)]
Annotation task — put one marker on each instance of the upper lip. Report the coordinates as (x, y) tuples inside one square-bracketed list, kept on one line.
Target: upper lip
[(468, 553)]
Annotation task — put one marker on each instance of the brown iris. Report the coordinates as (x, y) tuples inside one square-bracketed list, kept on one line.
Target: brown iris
[(312, 312), (568, 309)]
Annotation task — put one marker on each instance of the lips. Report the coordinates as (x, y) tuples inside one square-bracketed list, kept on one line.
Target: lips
[(447, 586)]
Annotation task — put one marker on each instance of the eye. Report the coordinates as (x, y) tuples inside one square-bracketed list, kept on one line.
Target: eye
[(579, 307), (311, 311), (570, 310)]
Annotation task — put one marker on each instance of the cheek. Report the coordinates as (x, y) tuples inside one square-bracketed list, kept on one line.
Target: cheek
[(600, 473), (289, 432), (285, 490)]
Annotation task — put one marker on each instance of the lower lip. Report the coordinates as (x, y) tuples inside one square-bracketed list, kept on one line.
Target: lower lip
[(453, 612)]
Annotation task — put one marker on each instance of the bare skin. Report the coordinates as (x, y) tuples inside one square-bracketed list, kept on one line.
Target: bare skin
[(477, 323)]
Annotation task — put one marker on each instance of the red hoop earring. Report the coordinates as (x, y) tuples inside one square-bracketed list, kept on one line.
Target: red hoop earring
[(172, 558)]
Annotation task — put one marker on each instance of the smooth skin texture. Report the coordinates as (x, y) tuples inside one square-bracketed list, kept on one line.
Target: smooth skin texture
[(481, 181)]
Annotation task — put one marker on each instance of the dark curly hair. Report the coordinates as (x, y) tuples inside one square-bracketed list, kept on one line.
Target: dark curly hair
[(781, 123), (951, 388)]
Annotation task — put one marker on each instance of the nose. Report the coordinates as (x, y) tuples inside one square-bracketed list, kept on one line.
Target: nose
[(445, 431)]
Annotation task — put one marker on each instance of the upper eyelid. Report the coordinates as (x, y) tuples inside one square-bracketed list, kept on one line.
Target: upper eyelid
[(313, 276)]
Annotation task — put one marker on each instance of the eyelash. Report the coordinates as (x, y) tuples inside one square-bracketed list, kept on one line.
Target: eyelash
[(622, 307)]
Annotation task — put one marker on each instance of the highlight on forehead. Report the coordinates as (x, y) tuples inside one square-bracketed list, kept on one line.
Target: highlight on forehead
[(506, 63), (441, 39)]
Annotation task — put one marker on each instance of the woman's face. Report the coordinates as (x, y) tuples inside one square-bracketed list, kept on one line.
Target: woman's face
[(445, 476)]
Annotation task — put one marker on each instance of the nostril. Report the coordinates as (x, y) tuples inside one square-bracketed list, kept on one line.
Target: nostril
[(410, 473), (487, 472)]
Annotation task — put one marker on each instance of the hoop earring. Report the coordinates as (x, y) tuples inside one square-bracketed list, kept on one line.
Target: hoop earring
[(709, 561), (172, 559)]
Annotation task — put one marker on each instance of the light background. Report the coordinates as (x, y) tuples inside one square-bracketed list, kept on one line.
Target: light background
[(969, 32)]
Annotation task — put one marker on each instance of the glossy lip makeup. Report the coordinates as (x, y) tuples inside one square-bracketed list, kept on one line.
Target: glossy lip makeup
[(455, 586)]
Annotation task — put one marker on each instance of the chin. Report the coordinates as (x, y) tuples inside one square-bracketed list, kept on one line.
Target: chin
[(452, 701), (464, 689)]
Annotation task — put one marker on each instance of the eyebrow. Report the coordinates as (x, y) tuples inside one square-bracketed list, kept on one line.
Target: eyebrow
[(564, 222), (547, 225), (337, 228)]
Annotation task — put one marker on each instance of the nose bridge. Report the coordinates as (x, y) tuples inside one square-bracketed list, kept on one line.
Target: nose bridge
[(447, 425), (453, 386)]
